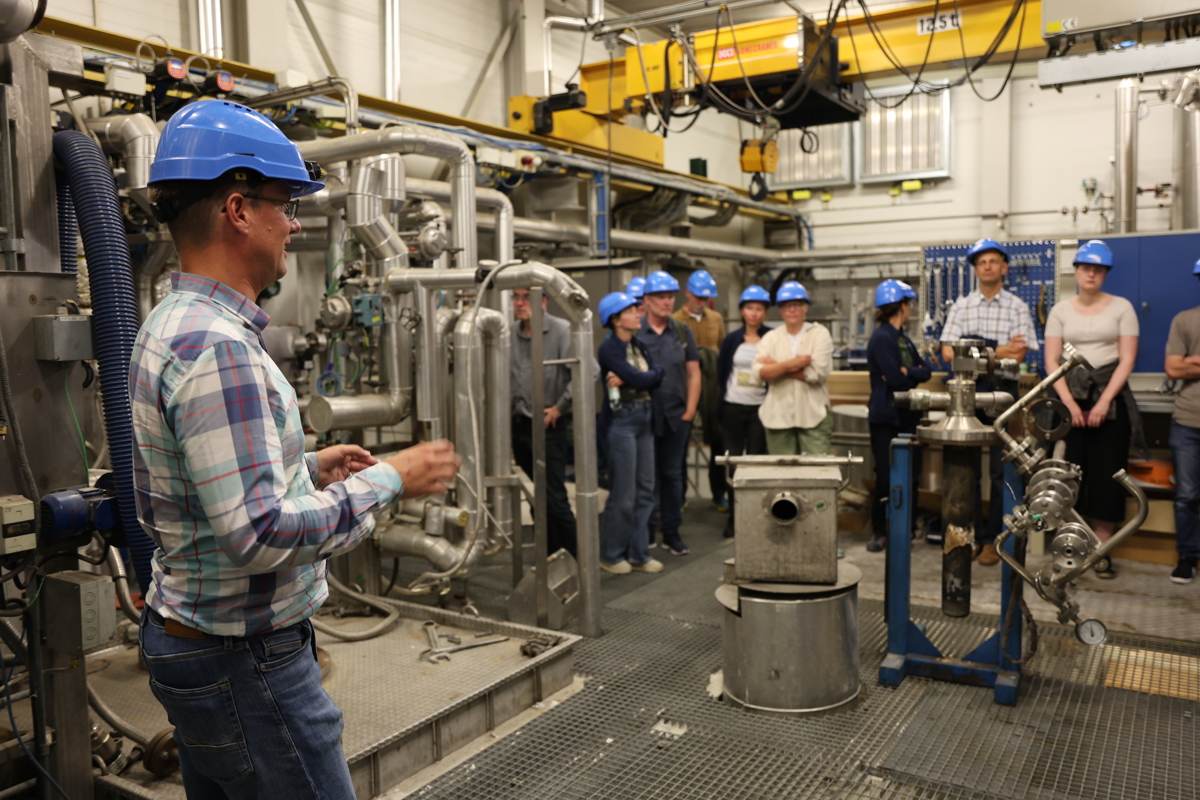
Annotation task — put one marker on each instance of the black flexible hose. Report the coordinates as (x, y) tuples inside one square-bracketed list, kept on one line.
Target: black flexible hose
[(115, 323)]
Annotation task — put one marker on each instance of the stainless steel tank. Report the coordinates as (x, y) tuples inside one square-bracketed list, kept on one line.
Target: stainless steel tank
[(792, 648)]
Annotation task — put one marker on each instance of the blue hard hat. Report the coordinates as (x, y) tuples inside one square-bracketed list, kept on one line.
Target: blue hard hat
[(756, 294), (208, 138), (893, 291), (614, 303), (791, 290), (982, 246), (660, 281), (1196, 269), (636, 288), (1094, 252), (701, 284)]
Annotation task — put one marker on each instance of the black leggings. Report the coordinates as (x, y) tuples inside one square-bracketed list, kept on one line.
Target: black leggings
[(1100, 452), (744, 434), (881, 449)]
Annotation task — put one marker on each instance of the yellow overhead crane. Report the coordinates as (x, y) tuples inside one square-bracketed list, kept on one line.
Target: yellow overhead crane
[(756, 63)]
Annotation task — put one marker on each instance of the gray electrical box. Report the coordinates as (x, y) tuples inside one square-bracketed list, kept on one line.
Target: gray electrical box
[(786, 523), (1065, 17), (63, 337), (80, 611)]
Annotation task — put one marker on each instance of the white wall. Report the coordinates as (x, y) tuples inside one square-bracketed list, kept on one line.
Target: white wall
[(1057, 141)]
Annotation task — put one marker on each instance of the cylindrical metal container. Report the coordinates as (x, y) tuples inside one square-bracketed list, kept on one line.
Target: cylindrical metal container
[(792, 648), (852, 437)]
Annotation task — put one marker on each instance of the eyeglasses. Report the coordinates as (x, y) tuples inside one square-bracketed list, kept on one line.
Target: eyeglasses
[(290, 207)]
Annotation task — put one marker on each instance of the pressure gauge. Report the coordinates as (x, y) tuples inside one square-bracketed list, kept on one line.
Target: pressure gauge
[(1091, 632)]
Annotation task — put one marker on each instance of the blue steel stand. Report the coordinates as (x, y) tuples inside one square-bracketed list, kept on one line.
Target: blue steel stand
[(909, 651)]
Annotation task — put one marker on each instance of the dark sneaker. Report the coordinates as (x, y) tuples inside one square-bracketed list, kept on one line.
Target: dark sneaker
[(672, 542), (721, 505), (1185, 571), (728, 532), (877, 544), (1105, 569)]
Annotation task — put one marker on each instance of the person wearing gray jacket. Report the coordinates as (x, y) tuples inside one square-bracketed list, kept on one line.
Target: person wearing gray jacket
[(555, 417)]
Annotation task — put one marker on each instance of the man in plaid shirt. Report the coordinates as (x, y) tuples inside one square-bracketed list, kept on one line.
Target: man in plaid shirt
[(1003, 320), (244, 519)]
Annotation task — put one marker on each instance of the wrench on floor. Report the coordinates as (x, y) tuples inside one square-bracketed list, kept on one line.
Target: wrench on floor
[(437, 655)]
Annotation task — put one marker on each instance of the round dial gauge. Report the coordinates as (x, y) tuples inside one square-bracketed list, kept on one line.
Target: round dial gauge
[(1091, 632)]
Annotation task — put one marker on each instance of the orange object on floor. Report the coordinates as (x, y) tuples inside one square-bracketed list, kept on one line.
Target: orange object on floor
[(1156, 472)]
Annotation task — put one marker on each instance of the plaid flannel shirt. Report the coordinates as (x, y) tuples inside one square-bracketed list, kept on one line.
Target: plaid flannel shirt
[(222, 482), (999, 319)]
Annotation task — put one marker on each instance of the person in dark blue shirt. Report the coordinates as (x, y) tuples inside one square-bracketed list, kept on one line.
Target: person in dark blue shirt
[(629, 375), (895, 366), (741, 392)]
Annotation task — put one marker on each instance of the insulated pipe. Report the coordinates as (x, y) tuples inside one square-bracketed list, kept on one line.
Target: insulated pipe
[(367, 213), (419, 141), (134, 136), (411, 540), (422, 283), (573, 301), (502, 223), (475, 328), (1185, 168), (492, 199), (1125, 177), (115, 324), (548, 231), (352, 412)]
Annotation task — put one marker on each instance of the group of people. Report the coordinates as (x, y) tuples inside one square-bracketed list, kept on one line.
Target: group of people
[(767, 393), (770, 395)]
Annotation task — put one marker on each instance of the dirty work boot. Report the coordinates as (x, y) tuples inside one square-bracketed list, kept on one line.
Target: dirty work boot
[(988, 556)]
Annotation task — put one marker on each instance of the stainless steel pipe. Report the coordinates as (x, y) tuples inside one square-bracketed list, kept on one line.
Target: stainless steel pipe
[(135, 137), (548, 231), (1125, 176), (403, 139), (482, 336), (573, 301)]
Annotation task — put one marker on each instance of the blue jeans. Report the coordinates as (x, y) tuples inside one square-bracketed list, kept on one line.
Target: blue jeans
[(669, 449), (250, 716), (1185, 453), (631, 486)]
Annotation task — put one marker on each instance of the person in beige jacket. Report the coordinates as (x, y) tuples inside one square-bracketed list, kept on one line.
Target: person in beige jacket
[(796, 360)]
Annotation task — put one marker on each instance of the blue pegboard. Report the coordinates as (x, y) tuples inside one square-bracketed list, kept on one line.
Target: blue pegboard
[(946, 276)]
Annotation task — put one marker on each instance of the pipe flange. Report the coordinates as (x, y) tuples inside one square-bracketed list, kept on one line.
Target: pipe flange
[(1048, 419), (162, 754)]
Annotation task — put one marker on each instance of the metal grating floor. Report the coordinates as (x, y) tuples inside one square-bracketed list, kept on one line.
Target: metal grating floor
[(1110, 723)]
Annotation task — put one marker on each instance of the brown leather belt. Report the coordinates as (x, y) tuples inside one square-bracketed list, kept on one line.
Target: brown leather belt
[(174, 628)]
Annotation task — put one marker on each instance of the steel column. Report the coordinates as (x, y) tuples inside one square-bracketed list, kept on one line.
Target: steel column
[(538, 400)]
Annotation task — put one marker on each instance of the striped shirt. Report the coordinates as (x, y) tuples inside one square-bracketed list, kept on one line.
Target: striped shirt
[(998, 319), (222, 482)]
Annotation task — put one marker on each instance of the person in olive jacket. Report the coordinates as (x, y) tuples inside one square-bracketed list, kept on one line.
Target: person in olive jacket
[(895, 366)]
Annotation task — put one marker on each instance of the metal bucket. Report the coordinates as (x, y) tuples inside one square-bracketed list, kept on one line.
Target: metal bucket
[(792, 648), (852, 437)]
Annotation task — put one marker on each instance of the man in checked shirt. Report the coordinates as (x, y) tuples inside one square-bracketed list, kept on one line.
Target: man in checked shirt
[(1003, 320), (243, 518)]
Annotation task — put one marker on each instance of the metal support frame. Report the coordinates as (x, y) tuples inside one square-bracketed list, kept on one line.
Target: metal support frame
[(909, 650), (538, 399), (8, 211)]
